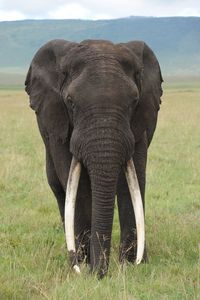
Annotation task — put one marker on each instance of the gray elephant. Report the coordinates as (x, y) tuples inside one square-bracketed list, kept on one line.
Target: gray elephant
[(96, 105)]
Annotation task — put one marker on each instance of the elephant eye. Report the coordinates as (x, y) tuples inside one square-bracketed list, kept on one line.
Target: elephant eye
[(127, 66), (65, 73), (138, 79)]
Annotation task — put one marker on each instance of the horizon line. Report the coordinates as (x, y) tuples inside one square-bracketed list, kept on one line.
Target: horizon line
[(95, 20)]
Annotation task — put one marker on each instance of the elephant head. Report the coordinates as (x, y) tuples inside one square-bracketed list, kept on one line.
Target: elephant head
[(100, 97)]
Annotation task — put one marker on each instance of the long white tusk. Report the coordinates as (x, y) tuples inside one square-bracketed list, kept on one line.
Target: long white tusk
[(136, 198), (70, 200)]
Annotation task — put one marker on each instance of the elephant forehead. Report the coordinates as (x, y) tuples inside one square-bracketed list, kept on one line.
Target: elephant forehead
[(106, 47), (98, 44), (98, 52)]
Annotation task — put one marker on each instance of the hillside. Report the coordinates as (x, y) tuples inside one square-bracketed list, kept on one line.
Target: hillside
[(176, 41)]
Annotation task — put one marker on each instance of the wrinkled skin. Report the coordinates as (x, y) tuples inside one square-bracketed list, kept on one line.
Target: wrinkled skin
[(99, 102)]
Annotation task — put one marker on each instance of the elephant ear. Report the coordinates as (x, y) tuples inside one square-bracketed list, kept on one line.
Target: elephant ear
[(145, 118), (43, 85)]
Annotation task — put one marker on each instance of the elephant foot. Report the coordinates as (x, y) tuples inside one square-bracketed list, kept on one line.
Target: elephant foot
[(100, 269), (83, 247), (128, 252), (99, 273)]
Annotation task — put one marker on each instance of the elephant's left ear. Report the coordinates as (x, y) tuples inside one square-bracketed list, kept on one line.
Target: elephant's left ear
[(150, 81)]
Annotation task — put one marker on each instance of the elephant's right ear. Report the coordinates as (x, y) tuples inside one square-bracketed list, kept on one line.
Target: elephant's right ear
[(43, 85)]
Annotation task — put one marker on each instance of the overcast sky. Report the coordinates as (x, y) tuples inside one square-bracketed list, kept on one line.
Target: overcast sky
[(95, 9)]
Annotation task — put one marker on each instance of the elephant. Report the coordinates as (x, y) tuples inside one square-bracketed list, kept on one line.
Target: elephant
[(96, 104)]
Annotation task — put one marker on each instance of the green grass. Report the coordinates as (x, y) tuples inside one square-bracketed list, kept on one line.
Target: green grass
[(33, 259)]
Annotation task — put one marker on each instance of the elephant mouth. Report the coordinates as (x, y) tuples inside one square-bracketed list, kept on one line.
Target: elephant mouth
[(71, 193)]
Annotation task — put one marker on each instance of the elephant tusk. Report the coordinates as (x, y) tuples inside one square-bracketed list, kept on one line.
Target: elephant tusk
[(70, 200), (136, 199)]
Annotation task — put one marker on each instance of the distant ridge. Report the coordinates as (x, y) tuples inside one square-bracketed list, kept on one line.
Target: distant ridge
[(175, 40)]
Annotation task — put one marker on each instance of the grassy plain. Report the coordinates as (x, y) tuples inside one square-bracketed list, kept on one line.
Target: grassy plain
[(33, 260)]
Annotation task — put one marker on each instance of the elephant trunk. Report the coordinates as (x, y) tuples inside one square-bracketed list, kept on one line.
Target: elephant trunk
[(103, 185), (106, 155)]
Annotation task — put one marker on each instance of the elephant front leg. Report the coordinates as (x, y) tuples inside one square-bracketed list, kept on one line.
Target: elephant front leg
[(55, 185), (128, 240), (83, 218)]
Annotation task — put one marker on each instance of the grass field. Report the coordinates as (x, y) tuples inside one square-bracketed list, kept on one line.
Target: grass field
[(33, 260)]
